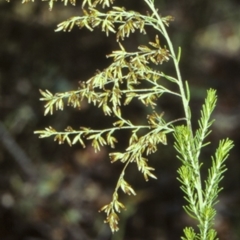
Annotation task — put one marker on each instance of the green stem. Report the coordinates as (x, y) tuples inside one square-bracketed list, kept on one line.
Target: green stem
[(185, 101)]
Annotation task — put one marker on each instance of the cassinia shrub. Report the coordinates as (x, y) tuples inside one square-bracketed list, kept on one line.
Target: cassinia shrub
[(138, 75)]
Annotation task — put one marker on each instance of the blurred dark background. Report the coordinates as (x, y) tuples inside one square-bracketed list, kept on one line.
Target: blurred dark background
[(53, 192)]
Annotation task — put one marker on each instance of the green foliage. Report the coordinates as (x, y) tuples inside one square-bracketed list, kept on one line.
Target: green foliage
[(137, 75)]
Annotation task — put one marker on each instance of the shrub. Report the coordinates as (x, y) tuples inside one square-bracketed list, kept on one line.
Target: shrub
[(138, 75)]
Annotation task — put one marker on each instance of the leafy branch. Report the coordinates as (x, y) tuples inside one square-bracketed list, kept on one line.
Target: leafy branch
[(120, 83)]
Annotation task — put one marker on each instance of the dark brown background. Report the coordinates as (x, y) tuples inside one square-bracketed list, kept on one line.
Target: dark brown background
[(52, 192)]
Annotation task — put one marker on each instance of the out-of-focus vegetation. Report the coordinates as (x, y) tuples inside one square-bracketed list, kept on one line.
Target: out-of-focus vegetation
[(49, 191)]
